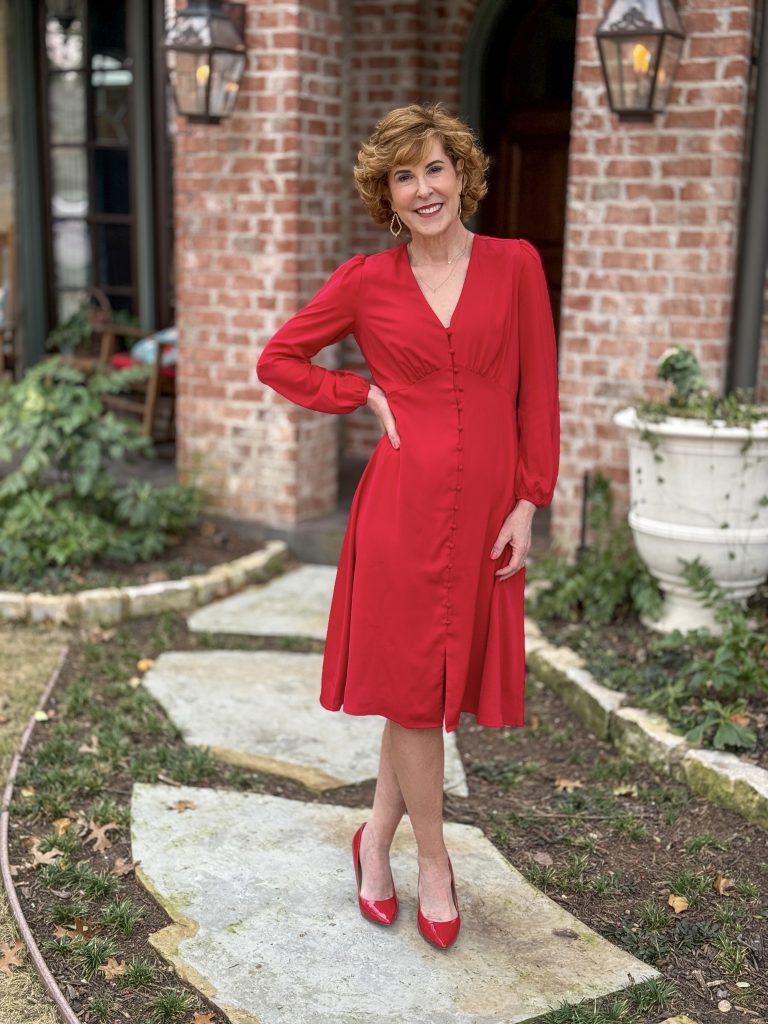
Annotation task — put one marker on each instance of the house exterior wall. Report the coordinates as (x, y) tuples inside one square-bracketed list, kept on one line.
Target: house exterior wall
[(266, 209), (651, 239)]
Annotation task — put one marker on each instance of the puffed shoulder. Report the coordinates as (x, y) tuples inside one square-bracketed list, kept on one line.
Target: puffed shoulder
[(528, 250)]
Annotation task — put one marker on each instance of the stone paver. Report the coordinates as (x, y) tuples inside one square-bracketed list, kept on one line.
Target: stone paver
[(297, 603), (260, 709), (264, 897)]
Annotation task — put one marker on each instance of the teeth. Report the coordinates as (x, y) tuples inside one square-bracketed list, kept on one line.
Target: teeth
[(429, 209)]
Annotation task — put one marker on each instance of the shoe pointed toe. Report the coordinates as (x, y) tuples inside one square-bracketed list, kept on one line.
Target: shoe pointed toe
[(440, 933)]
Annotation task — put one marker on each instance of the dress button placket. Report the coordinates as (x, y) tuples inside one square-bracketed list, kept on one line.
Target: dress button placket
[(459, 467)]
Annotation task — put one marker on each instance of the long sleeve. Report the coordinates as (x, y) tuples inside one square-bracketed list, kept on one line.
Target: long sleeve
[(285, 363), (538, 408)]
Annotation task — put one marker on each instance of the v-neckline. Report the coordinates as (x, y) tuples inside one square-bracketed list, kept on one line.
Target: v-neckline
[(416, 285)]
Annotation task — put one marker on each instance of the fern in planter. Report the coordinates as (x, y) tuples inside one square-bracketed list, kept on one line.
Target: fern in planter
[(59, 507)]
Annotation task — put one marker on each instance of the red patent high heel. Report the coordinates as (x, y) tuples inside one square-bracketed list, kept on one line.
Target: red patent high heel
[(378, 911), (441, 933)]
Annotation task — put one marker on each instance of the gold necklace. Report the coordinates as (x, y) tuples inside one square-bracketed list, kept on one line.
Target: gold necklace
[(450, 272)]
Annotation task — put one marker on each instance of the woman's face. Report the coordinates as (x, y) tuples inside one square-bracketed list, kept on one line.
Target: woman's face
[(425, 196)]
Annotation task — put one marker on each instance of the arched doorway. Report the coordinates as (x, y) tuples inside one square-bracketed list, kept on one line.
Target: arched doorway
[(518, 78)]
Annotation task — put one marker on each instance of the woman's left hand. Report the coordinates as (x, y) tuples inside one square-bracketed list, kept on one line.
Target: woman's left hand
[(515, 531)]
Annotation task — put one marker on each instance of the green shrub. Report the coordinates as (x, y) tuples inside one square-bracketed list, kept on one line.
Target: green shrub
[(59, 506), (608, 582)]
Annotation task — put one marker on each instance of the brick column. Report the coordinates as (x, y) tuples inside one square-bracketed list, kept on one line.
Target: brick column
[(651, 237), (257, 232)]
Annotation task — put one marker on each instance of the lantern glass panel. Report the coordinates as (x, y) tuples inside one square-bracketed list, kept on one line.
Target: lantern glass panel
[(226, 72), (638, 62), (189, 79), (670, 56)]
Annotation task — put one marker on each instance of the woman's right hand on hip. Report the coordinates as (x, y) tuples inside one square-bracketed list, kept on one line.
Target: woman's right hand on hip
[(377, 401)]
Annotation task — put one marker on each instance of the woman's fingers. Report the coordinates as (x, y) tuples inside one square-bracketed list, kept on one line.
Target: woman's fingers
[(378, 402), (520, 544)]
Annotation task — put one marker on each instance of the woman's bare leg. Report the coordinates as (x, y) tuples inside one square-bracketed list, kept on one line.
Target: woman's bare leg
[(419, 762), (388, 809)]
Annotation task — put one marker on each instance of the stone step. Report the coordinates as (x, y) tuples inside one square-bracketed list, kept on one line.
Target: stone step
[(296, 603), (262, 893), (260, 709)]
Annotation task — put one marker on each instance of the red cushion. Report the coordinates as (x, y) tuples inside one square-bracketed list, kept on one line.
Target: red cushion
[(122, 360)]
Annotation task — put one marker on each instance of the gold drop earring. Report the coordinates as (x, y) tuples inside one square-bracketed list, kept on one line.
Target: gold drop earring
[(392, 225)]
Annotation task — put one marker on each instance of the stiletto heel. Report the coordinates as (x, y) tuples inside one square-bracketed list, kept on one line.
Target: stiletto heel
[(378, 911), (441, 933)]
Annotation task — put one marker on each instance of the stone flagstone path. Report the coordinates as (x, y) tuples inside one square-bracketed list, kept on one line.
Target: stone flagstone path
[(268, 927), (260, 709), (261, 889)]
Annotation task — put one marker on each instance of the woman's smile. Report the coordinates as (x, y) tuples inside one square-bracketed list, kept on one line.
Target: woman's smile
[(429, 211)]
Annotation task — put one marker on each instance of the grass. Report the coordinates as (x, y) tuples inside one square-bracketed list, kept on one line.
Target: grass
[(632, 1007), (28, 655)]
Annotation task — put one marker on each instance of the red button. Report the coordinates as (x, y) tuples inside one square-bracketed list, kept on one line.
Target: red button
[(461, 387), (460, 447), (453, 526), (457, 487), (459, 428), (451, 544), (460, 405), (455, 508), (460, 466)]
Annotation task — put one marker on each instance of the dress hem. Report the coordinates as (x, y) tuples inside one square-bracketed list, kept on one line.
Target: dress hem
[(438, 725)]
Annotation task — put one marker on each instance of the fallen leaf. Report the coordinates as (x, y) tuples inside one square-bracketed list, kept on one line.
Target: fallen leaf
[(9, 956), (99, 633), (145, 663), (134, 682), (183, 805), (203, 1018), (62, 824), (543, 858), (535, 722), (678, 903), (123, 866), (4, 718), (568, 785), (111, 969), (46, 858), (27, 790), (82, 927), (738, 719), (625, 790), (724, 1006), (721, 885), (743, 984), (41, 716), (90, 748), (60, 932), (98, 834), (14, 869)]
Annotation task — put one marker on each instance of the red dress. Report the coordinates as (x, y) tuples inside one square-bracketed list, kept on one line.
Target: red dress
[(420, 628)]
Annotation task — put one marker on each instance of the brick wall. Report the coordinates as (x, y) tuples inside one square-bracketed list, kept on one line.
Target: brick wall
[(651, 237)]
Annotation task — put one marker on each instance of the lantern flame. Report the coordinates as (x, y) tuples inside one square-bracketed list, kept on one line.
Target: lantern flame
[(202, 74), (641, 59)]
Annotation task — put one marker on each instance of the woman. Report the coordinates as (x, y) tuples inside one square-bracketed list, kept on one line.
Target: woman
[(426, 619)]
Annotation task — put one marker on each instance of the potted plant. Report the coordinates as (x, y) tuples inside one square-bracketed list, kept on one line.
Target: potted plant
[(698, 469)]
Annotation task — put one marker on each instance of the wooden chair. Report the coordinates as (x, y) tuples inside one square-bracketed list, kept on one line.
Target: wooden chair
[(144, 397), (103, 350), (8, 359)]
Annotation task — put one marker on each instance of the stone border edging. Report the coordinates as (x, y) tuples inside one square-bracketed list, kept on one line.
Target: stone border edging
[(645, 736), (65, 1011), (109, 605)]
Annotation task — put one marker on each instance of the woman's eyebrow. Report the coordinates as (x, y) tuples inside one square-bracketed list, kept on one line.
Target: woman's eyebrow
[(431, 162)]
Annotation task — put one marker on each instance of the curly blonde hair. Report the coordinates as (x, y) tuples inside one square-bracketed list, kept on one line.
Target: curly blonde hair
[(404, 136)]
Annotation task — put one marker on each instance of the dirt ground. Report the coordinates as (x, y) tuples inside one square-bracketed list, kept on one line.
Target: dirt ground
[(28, 657)]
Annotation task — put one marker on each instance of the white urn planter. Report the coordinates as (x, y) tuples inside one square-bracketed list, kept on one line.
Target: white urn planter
[(698, 489)]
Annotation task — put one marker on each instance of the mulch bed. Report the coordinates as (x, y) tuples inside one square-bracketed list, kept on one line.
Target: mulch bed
[(546, 795), (209, 543)]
